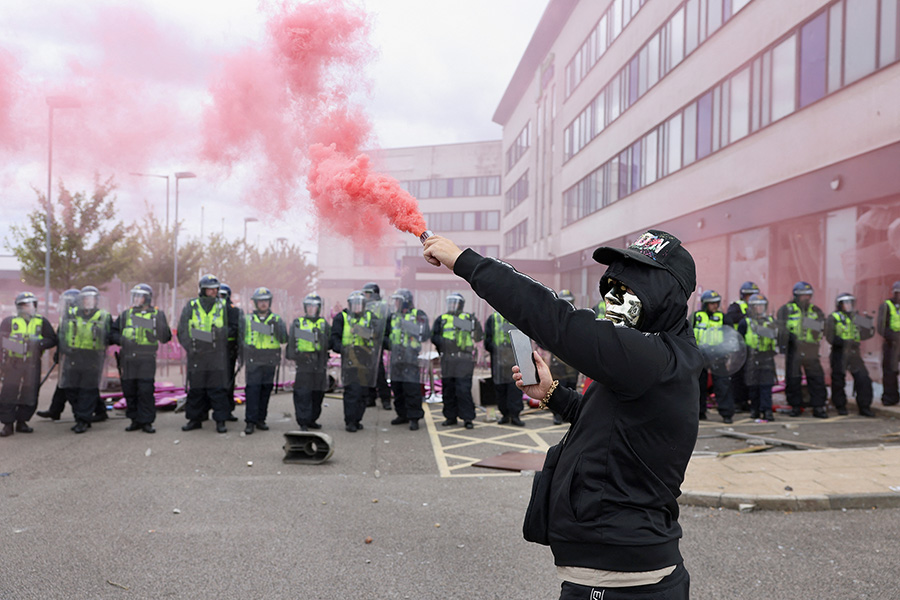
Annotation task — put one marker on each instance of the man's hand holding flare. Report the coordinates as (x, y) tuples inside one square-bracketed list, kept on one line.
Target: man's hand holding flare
[(441, 251)]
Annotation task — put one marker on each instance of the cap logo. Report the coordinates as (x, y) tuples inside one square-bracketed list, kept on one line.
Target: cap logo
[(654, 246)]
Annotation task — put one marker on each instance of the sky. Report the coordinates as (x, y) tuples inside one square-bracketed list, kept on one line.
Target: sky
[(171, 86)]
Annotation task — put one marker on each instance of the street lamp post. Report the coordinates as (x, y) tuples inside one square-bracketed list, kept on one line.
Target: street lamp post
[(166, 177), (178, 176), (52, 102)]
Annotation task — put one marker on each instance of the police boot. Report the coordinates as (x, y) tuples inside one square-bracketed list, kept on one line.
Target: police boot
[(22, 427), (262, 425), (148, 428), (220, 427), (414, 425), (768, 416), (248, 429), (133, 427), (191, 425), (46, 414), (820, 412), (81, 426), (399, 421), (7, 430)]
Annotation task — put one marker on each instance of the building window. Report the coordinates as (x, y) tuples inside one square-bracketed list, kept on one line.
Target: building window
[(517, 192), (859, 47), (481, 220), (518, 148), (516, 238), (457, 187)]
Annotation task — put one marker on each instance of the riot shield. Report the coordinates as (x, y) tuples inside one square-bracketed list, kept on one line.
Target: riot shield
[(311, 367), (359, 362), (83, 354), (458, 361), (726, 357), (502, 358), (408, 341), (252, 353), (208, 350)]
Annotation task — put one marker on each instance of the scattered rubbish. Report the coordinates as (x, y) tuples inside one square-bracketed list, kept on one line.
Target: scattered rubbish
[(894, 488), (745, 508), (424, 504), (460, 545), (176, 441), (377, 473), (5, 474), (151, 531), (387, 441), (374, 500), (881, 446), (18, 531), (747, 450), (278, 473), (437, 524), (176, 511), (788, 488), (249, 463), (368, 561), (148, 452), (790, 426), (369, 539), (118, 585), (767, 440)]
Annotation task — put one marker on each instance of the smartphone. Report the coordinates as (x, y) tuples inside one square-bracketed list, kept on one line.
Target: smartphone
[(524, 356)]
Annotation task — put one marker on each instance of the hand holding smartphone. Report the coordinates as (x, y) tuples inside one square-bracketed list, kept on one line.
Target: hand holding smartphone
[(524, 356)]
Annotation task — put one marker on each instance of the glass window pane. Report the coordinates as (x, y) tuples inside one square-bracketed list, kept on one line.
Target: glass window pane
[(714, 19), (613, 94), (653, 61), (689, 141), (737, 5), (740, 105), (812, 60), (859, 58), (601, 35), (457, 222), (755, 95), (716, 117), (599, 113), (704, 125), (616, 16), (835, 47), (784, 79), (676, 39), (674, 141), (642, 71), (493, 220), (612, 180), (623, 173), (633, 76), (650, 154), (692, 25), (469, 221), (635, 175), (888, 46), (766, 115)]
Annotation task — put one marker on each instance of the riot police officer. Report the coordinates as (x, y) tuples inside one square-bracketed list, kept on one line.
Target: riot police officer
[(308, 345), (203, 331), (381, 311), (800, 325), (58, 401), (139, 330), (353, 334), (733, 316), (406, 329), (844, 330), (263, 334), (761, 336), (708, 323), (888, 325), (455, 334), (84, 350), (235, 315), (23, 339), (559, 370), (499, 344)]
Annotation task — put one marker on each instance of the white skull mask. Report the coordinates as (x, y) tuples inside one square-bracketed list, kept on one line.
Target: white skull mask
[(623, 308)]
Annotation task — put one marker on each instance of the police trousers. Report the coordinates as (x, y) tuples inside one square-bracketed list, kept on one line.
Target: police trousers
[(260, 382), (841, 362), (140, 404), (808, 360), (457, 397), (18, 397), (408, 399), (207, 389), (509, 399)]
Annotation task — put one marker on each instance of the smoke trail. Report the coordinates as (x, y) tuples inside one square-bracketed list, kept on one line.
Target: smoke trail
[(9, 78)]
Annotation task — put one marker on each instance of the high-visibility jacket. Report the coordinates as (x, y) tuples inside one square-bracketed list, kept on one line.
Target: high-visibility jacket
[(87, 334), (25, 332), (206, 321), (349, 338), (708, 328), (142, 336), (600, 309), (893, 322), (795, 325), (501, 333), (317, 327), (261, 341), (758, 342), (844, 327), (461, 337), (399, 337)]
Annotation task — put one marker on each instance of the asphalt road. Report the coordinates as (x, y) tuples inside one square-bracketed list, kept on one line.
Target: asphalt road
[(111, 514)]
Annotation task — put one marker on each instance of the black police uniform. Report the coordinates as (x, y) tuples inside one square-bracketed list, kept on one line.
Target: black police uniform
[(21, 367), (844, 332), (509, 397), (308, 344), (403, 336), (802, 352), (457, 364), (262, 337)]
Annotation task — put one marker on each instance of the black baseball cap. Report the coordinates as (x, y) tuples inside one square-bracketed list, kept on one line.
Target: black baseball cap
[(657, 249)]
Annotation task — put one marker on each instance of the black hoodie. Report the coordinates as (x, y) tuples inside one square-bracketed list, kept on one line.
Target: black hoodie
[(613, 501)]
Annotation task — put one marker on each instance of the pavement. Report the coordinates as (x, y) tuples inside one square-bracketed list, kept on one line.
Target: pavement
[(798, 480)]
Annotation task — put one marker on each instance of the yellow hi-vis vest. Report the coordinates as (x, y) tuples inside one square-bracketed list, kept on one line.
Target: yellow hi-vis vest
[(844, 327), (87, 334), (757, 342), (398, 336), (708, 328), (501, 334), (258, 340), (136, 334), (349, 338), (206, 321), (317, 327), (795, 323), (462, 338), (894, 317), (25, 332)]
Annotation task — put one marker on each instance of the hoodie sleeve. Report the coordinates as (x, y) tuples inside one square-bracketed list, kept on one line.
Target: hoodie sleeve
[(626, 360)]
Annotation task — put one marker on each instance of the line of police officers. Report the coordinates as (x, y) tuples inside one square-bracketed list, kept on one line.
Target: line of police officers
[(743, 379)]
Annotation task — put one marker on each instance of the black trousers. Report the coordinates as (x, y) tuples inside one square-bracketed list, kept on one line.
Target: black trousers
[(509, 399), (457, 396), (260, 382), (207, 390), (58, 402), (815, 378), (232, 361), (84, 402), (408, 399), (862, 382), (19, 395), (676, 586), (890, 352), (355, 398), (382, 388), (307, 405), (721, 388), (140, 405), (740, 394)]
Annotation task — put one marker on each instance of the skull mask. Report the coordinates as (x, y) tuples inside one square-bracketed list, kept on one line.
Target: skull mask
[(623, 307)]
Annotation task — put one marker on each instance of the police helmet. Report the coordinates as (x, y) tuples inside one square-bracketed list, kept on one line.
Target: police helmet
[(566, 295), (312, 306), (758, 303), (748, 287), (224, 291), (896, 287), (68, 298), (802, 288), (709, 297), (25, 298), (260, 294), (402, 299), (356, 302), (372, 291), (847, 297), (209, 281), (88, 296), (455, 303), (142, 292)]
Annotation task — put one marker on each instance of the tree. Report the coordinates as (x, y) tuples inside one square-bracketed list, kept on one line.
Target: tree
[(153, 260), (87, 246)]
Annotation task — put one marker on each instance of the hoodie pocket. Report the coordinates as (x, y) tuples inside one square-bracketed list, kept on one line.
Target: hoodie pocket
[(585, 493)]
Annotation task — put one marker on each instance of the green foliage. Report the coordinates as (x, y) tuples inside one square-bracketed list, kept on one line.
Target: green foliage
[(87, 246)]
